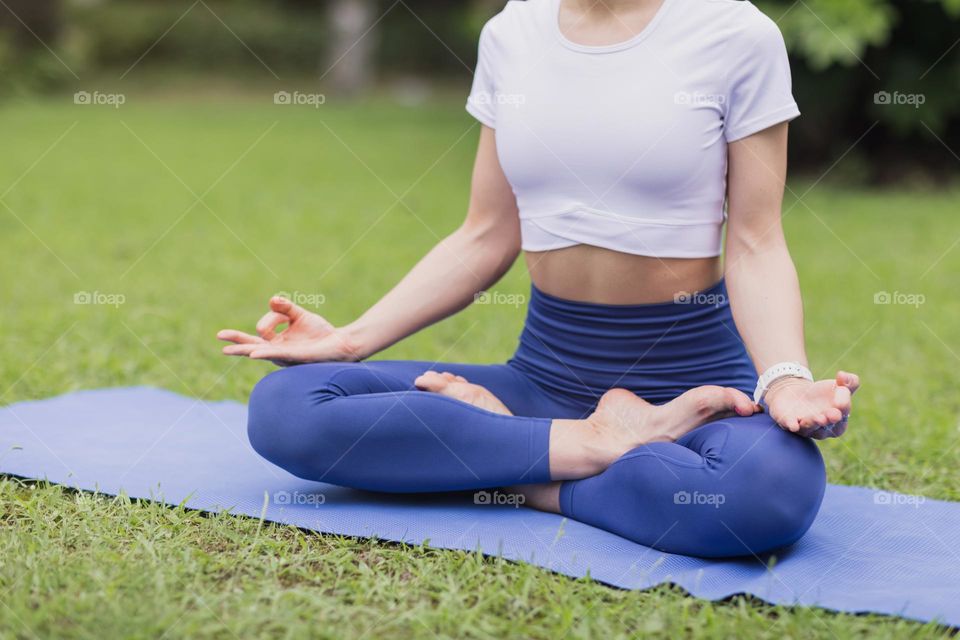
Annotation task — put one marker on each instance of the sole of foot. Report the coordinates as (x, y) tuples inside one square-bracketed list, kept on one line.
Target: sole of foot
[(459, 388), (632, 421)]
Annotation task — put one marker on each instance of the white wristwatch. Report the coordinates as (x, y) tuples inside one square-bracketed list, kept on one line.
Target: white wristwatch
[(777, 371)]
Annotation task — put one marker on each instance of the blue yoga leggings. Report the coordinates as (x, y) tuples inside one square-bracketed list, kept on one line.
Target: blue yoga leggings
[(733, 487)]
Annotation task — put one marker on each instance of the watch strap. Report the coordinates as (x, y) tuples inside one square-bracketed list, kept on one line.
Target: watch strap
[(777, 371)]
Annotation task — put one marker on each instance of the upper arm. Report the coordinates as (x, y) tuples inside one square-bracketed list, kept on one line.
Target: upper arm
[(493, 206), (756, 173), (759, 104)]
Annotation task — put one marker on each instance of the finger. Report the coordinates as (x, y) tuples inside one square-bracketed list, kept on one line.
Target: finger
[(269, 322), (804, 433), (821, 420), (287, 308), (287, 353), (230, 335), (849, 380), (833, 431), (791, 424), (239, 349), (842, 399), (833, 416)]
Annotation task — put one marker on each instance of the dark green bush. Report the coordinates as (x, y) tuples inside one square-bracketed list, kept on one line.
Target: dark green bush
[(849, 77), (211, 36)]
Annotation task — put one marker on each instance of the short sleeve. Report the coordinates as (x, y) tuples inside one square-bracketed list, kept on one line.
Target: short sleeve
[(759, 93), (482, 103)]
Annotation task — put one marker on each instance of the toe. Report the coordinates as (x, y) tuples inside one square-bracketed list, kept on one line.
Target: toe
[(431, 381), (620, 397), (740, 402)]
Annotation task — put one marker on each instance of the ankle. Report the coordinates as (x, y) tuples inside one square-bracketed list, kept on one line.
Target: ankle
[(600, 443), (579, 449)]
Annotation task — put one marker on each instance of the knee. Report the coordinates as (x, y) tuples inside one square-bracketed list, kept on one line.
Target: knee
[(780, 480), (282, 407), (268, 413)]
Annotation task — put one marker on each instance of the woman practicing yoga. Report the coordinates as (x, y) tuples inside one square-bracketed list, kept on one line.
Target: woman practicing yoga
[(619, 138)]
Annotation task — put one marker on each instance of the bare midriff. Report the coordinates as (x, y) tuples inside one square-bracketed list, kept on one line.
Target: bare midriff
[(591, 274)]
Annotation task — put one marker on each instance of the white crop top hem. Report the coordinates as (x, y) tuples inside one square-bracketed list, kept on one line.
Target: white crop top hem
[(628, 150), (566, 229)]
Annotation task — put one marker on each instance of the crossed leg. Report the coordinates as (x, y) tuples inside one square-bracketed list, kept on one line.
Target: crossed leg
[(649, 473), (729, 488), (621, 421)]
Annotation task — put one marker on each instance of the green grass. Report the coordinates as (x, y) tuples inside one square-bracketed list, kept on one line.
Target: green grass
[(311, 208)]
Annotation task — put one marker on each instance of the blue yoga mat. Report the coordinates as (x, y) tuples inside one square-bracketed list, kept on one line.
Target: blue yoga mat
[(868, 551)]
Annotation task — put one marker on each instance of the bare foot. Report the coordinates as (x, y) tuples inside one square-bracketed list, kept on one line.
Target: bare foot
[(459, 388), (624, 421), (635, 421)]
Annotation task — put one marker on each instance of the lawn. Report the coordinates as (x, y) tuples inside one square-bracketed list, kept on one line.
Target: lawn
[(188, 213)]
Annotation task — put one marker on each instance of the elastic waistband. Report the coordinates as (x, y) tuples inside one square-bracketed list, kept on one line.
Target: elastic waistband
[(684, 303), (582, 349)]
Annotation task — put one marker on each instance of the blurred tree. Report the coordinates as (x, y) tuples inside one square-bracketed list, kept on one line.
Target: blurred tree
[(353, 45), (30, 22), (29, 32)]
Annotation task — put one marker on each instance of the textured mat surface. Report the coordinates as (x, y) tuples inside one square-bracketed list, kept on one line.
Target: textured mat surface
[(868, 551)]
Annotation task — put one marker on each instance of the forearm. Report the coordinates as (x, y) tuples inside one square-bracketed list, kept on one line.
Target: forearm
[(442, 283), (765, 292), (766, 302)]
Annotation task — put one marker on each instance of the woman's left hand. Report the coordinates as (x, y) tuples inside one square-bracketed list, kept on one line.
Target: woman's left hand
[(817, 410)]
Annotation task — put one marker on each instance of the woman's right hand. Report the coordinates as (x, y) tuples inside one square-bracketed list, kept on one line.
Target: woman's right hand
[(307, 338)]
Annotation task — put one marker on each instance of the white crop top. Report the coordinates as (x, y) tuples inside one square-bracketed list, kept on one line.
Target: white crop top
[(625, 146)]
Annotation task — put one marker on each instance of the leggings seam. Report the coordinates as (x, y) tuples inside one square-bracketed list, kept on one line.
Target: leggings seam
[(437, 396), (663, 458), (566, 498), (340, 392), (660, 456)]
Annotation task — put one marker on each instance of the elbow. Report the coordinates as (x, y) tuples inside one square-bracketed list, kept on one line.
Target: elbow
[(763, 244), (498, 242)]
